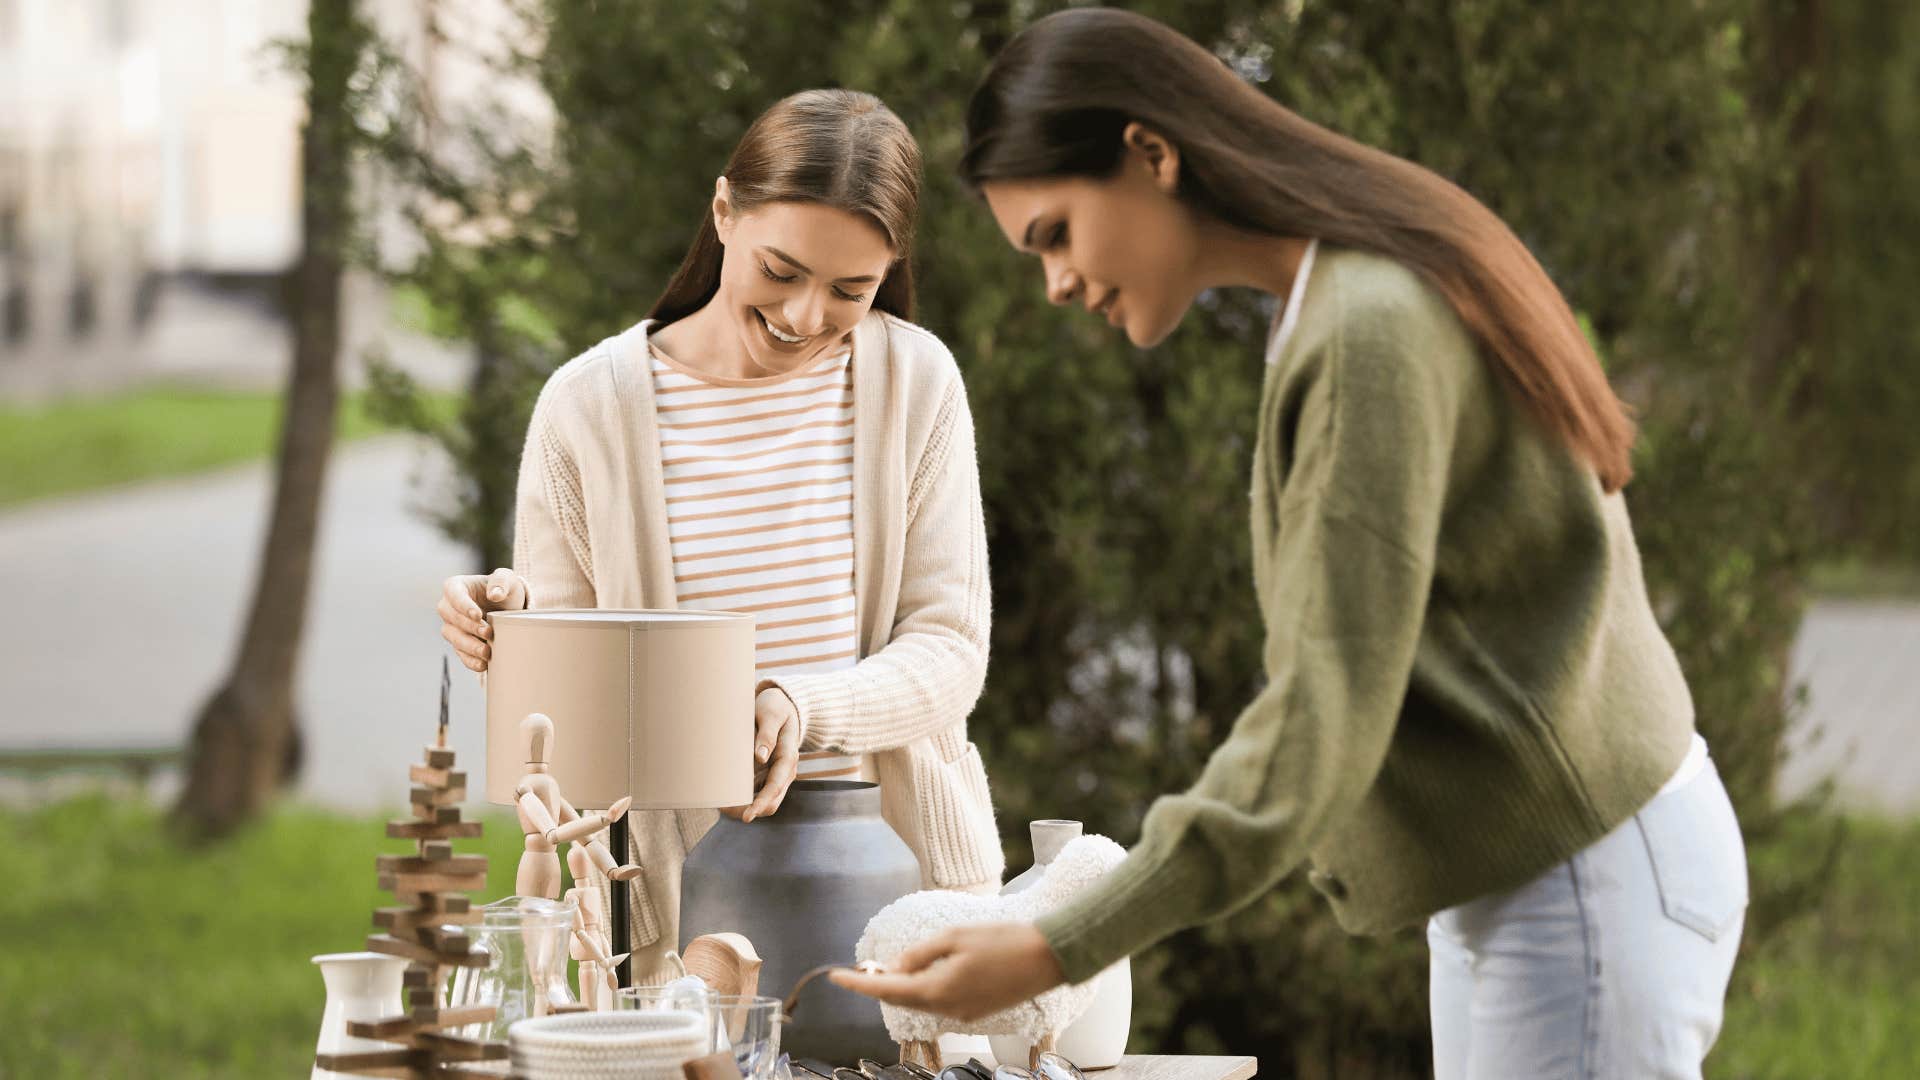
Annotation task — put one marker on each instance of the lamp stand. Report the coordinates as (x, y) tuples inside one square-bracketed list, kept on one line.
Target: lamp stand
[(622, 929)]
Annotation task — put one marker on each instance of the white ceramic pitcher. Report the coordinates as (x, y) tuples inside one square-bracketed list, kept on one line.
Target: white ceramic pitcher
[(360, 986)]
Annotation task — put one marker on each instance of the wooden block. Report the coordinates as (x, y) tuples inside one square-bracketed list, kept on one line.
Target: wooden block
[(426, 796), (436, 815), (427, 1016), (442, 939), (403, 884), (436, 850), (360, 1061), (402, 920), (401, 1073), (417, 977), (414, 864), (423, 997), (413, 829), (412, 895), (439, 757), (413, 950), (460, 1048), (386, 1029), (443, 901), (428, 776)]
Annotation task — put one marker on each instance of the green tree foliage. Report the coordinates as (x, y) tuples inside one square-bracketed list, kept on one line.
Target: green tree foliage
[(1860, 356), (1618, 139)]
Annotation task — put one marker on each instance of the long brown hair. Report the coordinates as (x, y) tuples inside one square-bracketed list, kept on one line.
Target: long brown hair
[(1062, 91), (839, 148)]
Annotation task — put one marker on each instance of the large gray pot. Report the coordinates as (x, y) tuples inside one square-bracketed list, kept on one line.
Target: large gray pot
[(802, 886)]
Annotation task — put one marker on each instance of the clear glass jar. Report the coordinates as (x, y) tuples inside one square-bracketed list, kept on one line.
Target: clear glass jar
[(526, 974)]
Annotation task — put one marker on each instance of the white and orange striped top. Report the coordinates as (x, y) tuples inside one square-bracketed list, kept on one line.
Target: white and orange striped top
[(759, 491)]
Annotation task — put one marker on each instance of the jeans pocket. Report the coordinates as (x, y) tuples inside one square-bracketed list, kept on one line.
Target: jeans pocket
[(1699, 859)]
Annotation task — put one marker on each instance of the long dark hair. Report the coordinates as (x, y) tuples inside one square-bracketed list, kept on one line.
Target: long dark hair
[(1062, 91), (839, 148)]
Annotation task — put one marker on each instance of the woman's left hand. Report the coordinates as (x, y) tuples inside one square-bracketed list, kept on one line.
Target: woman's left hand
[(965, 973), (776, 753)]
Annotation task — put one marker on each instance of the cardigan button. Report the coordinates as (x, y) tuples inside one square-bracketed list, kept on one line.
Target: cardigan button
[(1331, 887)]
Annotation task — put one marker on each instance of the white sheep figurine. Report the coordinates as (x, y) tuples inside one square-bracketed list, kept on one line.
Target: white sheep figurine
[(919, 916)]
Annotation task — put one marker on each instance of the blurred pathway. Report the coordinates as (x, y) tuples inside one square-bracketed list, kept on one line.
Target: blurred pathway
[(122, 608), (1860, 663)]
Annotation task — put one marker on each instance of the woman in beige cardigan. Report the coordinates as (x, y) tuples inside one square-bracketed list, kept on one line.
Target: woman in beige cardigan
[(805, 253)]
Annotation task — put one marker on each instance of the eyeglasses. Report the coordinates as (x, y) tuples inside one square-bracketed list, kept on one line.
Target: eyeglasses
[(1054, 1066), (869, 1069), (972, 1070), (1051, 1066)]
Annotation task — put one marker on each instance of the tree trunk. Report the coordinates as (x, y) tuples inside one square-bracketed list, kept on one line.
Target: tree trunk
[(1791, 332), (1793, 91), (245, 742), (495, 488)]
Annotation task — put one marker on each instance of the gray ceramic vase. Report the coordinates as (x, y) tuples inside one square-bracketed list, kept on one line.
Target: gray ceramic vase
[(802, 886)]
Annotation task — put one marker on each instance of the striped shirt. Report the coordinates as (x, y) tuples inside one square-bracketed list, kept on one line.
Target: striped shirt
[(759, 491)]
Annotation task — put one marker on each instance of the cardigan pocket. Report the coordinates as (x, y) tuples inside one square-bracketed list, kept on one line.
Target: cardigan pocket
[(958, 834), (645, 921)]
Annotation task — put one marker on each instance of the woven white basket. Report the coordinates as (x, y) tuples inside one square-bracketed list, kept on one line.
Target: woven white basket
[(650, 1045)]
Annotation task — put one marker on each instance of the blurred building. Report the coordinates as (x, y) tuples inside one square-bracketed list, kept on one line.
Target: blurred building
[(150, 188)]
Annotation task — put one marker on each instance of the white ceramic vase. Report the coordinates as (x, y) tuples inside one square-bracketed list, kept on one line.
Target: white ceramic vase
[(360, 986), (1097, 1039)]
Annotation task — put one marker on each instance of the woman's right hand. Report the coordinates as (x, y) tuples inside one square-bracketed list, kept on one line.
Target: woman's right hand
[(465, 599)]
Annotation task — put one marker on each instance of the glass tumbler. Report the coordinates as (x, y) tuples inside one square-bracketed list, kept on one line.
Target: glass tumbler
[(748, 1026)]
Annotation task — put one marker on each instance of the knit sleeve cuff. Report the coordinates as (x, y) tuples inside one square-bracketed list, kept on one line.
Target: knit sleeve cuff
[(825, 703), (1144, 899)]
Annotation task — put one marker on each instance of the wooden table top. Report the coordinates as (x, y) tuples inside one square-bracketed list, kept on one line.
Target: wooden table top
[(1166, 1067)]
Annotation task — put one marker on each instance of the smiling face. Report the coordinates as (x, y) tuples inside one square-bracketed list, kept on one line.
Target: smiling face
[(1124, 247), (796, 277)]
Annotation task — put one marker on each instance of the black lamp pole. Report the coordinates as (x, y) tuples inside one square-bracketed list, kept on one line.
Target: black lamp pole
[(623, 971)]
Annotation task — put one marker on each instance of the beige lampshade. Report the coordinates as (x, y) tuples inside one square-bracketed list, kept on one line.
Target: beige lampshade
[(653, 704)]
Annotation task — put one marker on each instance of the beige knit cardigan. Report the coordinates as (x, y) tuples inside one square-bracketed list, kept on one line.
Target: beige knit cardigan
[(591, 531)]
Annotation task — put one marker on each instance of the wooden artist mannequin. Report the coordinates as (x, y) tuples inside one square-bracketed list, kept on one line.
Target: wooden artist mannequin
[(547, 819), (589, 942)]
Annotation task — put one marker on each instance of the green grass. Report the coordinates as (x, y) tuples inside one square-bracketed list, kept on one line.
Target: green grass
[(85, 444), (125, 954), (1836, 993), (1856, 580)]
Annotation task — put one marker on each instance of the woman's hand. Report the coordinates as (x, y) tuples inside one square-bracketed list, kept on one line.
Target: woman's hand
[(776, 753), (465, 599), (965, 973)]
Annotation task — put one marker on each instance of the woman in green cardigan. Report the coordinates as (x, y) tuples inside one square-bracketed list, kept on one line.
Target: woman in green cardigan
[(1472, 718)]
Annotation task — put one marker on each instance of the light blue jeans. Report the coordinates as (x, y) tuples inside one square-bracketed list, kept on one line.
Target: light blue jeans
[(1612, 964)]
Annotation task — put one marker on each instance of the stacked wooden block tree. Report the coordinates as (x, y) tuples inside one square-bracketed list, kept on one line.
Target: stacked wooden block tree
[(426, 928)]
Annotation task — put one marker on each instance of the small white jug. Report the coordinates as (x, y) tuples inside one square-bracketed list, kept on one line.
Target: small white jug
[(360, 986)]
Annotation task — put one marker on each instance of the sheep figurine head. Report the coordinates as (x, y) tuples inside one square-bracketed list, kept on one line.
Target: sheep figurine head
[(919, 916)]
